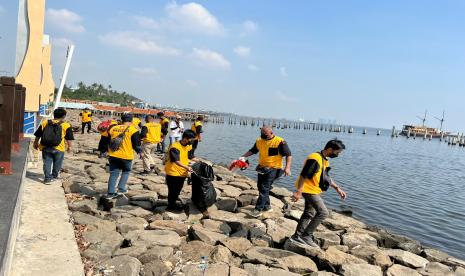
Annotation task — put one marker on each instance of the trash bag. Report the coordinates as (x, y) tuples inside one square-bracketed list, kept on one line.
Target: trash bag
[(203, 191)]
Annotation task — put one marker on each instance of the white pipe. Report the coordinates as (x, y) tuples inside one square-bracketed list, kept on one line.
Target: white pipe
[(63, 79)]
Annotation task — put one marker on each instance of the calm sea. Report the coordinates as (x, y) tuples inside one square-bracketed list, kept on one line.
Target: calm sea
[(410, 187)]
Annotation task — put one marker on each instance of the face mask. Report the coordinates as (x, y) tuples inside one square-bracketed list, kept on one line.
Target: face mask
[(264, 136), (333, 155)]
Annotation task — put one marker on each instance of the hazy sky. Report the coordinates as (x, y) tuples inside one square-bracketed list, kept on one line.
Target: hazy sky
[(373, 63)]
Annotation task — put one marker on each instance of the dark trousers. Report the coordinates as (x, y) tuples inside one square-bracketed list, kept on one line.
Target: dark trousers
[(264, 185), (195, 144), (314, 213), (53, 161), (175, 184), (161, 146), (103, 144), (89, 126)]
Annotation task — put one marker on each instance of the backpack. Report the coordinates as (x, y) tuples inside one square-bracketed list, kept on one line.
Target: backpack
[(103, 126), (52, 134), (203, 191), (116, 142)]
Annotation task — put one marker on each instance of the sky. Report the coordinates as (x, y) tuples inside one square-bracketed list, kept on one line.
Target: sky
[(366, 63)]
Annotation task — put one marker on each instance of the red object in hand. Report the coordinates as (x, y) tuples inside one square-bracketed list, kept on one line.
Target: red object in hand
[(239, 164)]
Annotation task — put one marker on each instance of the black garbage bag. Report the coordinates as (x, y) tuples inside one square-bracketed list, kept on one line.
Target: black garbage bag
[(203, 191)]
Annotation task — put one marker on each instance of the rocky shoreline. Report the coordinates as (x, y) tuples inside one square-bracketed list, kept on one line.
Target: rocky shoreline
[(138, 237)]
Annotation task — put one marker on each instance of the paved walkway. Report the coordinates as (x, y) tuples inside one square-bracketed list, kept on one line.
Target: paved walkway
[(45, 243)]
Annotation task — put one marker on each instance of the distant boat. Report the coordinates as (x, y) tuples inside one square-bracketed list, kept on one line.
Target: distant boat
[(423, 130)]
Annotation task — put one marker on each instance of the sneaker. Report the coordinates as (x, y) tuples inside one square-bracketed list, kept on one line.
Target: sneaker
[(111, 196), (48, 181), (256, 213), (268, 210), (305, 241), (120, 193), (175, 208)]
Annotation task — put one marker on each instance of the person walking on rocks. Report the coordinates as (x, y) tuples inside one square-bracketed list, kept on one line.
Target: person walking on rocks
[(124, 140), (52, 135), (164, 131), (312, 181), (177, 167), (197, 128), (86, 120), (151, 136), (176, 130), (271, 149)]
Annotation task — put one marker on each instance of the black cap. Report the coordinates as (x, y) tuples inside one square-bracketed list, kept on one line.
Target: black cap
[(126, 118)]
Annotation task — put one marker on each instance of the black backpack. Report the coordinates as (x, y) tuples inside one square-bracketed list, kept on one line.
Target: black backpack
[(116, 142), (203, 191), (52, 134)]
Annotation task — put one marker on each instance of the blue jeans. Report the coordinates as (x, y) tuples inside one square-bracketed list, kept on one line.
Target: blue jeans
[(117, 166), (264, 185), (174, 140), (52, 158)]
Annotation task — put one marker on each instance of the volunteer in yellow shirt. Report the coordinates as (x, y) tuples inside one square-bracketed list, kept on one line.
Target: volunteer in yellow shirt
[(151, 136), (120, 158), (271, 149), (164, 131), (177, 167), (52, 135), (312, 181), (197, 127), (86, 120)]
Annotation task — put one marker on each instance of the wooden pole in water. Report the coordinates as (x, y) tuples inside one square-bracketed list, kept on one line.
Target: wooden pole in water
[(393, 134)]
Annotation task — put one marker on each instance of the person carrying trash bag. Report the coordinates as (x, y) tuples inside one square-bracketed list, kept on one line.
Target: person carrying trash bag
[(203, 191)]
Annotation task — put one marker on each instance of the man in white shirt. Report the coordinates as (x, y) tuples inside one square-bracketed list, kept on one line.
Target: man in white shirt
[(176, 130)]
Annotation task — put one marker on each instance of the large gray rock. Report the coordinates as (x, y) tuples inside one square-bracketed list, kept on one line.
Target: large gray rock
[(400, 270), (155, 268), (246, 199), (173, 225), (219, 269), (340, 222), (123, 266), (334, 258), (142, 195), (129, 211), (133, 251), (124, 225), (459, 271), (406, 258), (434, 255), (152, 238), (235, 271), (327, 238), (280, 229), (435, 268), (156, 253), (104, 242), (372, 254), (194, 250), (221, 254), (280, 192), (217, 226), (451, 261), (357, 239), (262, 270), (93, 223), (227, 204), (198, 232), (88, 206), (237, 245), (272, 256), (360, 269), (240, 185), (229, 191), (309, 251)]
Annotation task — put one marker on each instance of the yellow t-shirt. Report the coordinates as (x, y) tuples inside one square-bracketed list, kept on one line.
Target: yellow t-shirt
[(312, 185), (269, 155), (86, 116), (136, 122), (194, 129), (64, 127), (153, 133), (171, 168), (125, 151)]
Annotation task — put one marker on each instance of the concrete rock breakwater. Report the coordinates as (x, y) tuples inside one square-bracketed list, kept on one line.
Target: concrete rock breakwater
[(137, 236)]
